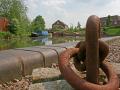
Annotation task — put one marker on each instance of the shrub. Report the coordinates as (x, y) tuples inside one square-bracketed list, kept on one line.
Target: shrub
[(5, 35)]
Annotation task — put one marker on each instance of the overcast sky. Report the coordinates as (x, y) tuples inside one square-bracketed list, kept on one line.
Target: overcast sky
[(71, 11)]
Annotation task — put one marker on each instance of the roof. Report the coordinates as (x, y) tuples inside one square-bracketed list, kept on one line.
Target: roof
[(60, 23)]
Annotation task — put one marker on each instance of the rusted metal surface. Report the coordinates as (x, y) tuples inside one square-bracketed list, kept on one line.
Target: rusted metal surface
[(92, 53), (92, 49), (81, 55), (80, 84)]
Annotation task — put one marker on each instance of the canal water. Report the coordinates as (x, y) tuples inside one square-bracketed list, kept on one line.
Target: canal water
[(37, 41)]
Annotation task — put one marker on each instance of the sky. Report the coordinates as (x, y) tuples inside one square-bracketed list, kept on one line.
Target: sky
[(71, 11)]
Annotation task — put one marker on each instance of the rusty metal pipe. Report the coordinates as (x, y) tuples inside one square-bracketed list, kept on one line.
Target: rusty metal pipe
[(81, 84)]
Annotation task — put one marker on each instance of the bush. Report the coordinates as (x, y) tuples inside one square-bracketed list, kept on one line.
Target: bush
[(5, 35)]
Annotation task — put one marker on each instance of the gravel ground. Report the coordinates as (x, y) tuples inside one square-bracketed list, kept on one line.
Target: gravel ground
[(114, 56), (16, 84), (45, 74), (114, 53)]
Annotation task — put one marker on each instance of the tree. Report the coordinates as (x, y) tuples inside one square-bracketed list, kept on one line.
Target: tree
[(75, 29), (14, 26), (71, 28), (78, 26), (15, 9), (38, 23), (5, 7), (108, 21)]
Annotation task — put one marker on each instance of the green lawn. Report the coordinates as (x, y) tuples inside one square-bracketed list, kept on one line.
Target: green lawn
[(112, 31)]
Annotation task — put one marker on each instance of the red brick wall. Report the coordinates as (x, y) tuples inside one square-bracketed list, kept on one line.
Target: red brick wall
[(3, 24)]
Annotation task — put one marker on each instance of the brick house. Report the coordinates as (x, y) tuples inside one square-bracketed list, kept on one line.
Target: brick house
[(115, 20), (3, 24), (59, 25)]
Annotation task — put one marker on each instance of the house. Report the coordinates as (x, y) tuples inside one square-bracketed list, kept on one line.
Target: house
[(114, 20), (3, 24), (59, 25)]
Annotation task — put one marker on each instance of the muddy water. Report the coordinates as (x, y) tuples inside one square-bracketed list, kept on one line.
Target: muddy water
[(38, 41)]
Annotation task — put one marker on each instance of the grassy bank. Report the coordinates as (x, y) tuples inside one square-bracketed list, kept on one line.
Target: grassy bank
[(112, 31)]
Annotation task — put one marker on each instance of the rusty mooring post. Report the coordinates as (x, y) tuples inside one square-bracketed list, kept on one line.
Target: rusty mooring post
[(92, 48), (94, 52)]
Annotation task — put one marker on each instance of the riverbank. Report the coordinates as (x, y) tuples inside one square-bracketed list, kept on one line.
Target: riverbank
[(111, 31), (113, 57)]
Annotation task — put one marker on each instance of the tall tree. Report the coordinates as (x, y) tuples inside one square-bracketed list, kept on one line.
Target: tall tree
[(12, 9), (15, 10), (5, 7), (78, 26), (71, 28), (38, 24), (108, 21)]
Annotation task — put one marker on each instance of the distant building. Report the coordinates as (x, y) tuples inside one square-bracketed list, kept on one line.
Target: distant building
[(3, 24), (115, 20), (59, 25)]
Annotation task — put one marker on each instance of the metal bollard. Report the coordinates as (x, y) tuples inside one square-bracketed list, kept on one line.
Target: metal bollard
[(92, 48), (93, 53)]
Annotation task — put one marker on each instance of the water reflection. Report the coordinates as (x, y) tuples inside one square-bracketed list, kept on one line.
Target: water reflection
[(44, 40), (28, 42)]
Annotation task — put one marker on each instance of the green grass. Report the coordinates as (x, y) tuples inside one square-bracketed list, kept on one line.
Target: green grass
[(112, 31)]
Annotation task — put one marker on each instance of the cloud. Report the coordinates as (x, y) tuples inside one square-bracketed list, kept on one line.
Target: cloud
[(71, 11), (53, 5), (32, 6), (53, 2), (45, 7), (94, 1)]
